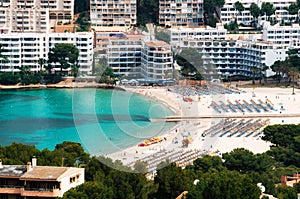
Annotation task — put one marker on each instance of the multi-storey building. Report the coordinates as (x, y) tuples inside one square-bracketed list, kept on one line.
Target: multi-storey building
[(286, 36), (235, 57), (124, 54), (187, 13), (110, 13), (229, 13), (34, 15), (25, 49), (32, 181), (157, 60), (177, 35), (281, 13)]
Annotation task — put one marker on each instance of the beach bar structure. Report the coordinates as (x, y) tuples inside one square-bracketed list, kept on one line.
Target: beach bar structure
[(32, 181)]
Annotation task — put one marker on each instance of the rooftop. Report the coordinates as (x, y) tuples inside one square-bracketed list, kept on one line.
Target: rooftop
[(45, 173), (157, 43), (12, 170)]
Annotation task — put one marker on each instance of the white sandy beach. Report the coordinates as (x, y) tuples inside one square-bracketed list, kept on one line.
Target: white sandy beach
[(282, 99)]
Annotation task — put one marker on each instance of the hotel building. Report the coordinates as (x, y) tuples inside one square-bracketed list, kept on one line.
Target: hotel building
[(32, 181), (285, 36), (177, 35), (186, 13), (111, 13), (235, 57), (229, 13), (39, 16), (157, 60), (124, 54), (25, 49)]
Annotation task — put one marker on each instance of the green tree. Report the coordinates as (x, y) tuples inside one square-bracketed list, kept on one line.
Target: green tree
[(171, 181), (254, 10), (25, 70), (211, 10), (282, 192), (293, 9), (90, 190), (8, 78), (41, 63), (81, 6), (294, 74), (239, 7), (72, 154), (224, 185), (208, 162), (267, 8), (147, 12), (83, 22), (277, 67), (64, 54)]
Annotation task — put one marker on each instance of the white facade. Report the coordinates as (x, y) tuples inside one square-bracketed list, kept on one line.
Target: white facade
[(25, 49), (235, 57), (186, 13), (157, 60), (177, 35), (34, 15), (286, 36), (124, 54), (111, 13), (229, 13)]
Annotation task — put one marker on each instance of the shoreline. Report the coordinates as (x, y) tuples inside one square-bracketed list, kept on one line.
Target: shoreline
[(194, 128), (59, 86)]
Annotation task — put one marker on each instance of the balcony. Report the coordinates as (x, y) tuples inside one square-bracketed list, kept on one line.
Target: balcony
[(40, 192), (10, 189)]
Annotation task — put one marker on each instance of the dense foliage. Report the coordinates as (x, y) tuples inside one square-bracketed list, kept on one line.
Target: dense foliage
[(286, 140), (81, 6), (64, 54), (147, 12)]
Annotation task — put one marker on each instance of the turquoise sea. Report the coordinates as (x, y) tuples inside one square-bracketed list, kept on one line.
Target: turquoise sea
[(103, 121)]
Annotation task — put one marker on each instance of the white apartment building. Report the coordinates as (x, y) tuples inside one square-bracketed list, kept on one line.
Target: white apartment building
[(285, 36), (187, 13), (157, 60), (229, 13), (32, 181), (235, 57), (25, 49), (111, 13), (280, 9), (124, 54), (34, 15), (178, 35)]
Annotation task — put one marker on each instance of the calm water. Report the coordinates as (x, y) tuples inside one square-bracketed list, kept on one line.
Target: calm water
[(102, 121)]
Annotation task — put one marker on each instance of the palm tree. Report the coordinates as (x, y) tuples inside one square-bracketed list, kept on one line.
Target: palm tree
[(294, 74)]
